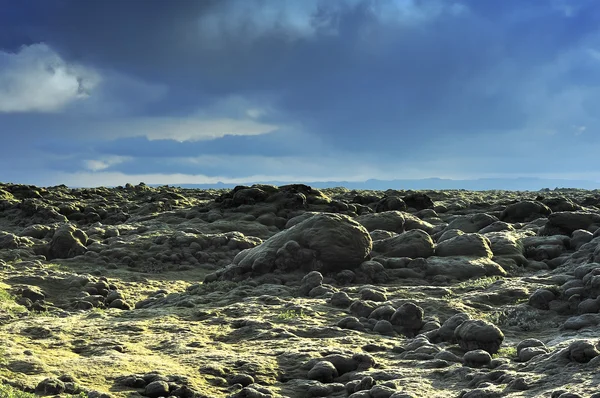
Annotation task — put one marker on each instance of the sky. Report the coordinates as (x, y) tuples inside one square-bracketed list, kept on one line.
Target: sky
[(106, 92)]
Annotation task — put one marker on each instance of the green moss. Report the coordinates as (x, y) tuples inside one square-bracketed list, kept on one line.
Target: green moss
[(289, 315), (219, 286), (8, 304), (7, 391), (506, 352)]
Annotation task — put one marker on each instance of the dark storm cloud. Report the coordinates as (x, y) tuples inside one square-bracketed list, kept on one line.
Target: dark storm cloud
[(407, 79), (348, 73)]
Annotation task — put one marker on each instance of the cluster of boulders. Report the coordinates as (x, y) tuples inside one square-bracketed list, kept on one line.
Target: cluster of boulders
[(65, 384), (156, 385), (333, 248), (101, 294)]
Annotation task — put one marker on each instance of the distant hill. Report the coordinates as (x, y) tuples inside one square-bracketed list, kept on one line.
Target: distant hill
[(482, 184)]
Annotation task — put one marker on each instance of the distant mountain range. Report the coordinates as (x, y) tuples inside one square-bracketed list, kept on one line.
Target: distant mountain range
[(482, 184)]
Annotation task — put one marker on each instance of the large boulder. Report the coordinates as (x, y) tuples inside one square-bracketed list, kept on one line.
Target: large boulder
[(569, 221), (461, 267), (479, 335), (408, 319), (325, 242), (413, 244), (418, 201), (413, 222), (561, 204), (67, 242), (524, 211), (392, 221), (390, 203), (507, 245), (474, 245)]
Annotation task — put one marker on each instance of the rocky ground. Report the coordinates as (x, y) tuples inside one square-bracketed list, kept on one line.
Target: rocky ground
[(291, 291)]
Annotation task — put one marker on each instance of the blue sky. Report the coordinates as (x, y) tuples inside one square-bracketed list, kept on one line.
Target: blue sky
[(169, 92)]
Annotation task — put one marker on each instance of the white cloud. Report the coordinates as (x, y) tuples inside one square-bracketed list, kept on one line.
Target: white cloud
[(182, 129), (37, 79), (104, 162)]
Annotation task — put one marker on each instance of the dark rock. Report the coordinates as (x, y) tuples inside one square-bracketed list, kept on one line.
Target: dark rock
[(383, 312), (384, 327), (470, 244), (33, 294), (392, 221), (67, 242), (157, 389), (446, 332), (380, 391), (541, 298), (241, 378), (351, 323), (409, 318), (340, 300), (477, 358), (570, 221), (50, 386), (345, 277), (413, 244), (418, 201), (390, 203), (478, 334), (120, 304), (362, 308), (582, 351), (525, 211), (323, 371)]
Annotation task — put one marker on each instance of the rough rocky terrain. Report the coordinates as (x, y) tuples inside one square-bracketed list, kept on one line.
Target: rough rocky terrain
[(291, 291)]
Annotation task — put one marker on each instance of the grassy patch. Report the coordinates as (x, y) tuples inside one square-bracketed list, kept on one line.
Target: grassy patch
[(7, 302), (506, 352), (218, 286), (7, 391), (289, 315), (58, 267)]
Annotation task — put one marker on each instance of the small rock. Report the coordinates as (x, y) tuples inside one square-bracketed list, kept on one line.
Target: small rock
[(372, 294), (479, 334), (528, 353), (477, 358), (157, 389), (541, 298), (120, 304), (50, 386), (409, 318), (243, 379), (384, 327), (379, 391), (323, 371), (340, 300)]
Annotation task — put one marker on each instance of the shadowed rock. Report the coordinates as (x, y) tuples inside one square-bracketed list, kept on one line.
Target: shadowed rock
[(478, 334), (418, 201), (463, 267), (524, 211), (468, 244), (67, 242), (413, 244), (392, 221)]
